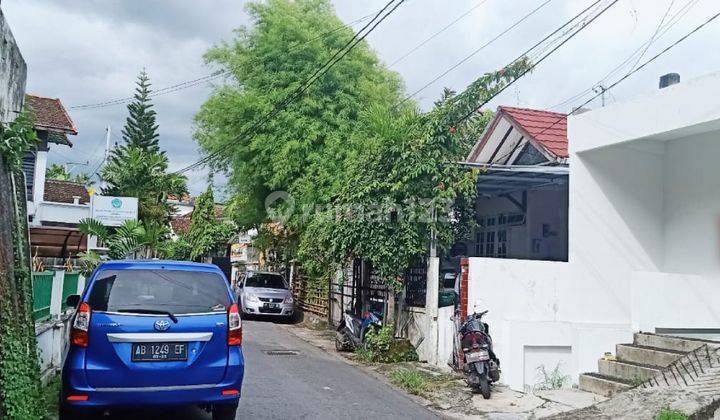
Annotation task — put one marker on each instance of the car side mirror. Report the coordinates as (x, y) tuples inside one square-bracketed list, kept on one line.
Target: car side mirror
[(72, 301)]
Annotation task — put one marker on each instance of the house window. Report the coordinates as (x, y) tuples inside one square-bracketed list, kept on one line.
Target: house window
[(502, 243), (490, 244), (491, 236), (479, 244)]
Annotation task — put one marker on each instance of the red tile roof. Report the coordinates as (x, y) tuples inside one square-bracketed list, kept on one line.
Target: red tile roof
[(50, 114), (180, 224), (58, 191), (547, 128)]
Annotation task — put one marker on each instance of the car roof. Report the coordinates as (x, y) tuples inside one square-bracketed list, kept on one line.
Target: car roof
[(186, 265)]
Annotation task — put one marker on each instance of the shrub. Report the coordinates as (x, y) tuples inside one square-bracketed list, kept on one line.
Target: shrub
[(669, 414), (409, 380), (382, 346)]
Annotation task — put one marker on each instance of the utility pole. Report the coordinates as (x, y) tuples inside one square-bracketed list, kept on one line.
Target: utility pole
[(601, 90), (107, 142)]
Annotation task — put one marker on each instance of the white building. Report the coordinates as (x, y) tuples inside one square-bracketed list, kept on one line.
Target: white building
[(54, 207), (643, 239)]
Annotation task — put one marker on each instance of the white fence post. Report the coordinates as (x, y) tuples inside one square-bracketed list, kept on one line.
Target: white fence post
[(80, 284), (56, 294)]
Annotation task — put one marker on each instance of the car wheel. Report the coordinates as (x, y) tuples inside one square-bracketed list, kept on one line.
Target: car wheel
[(224, 411)]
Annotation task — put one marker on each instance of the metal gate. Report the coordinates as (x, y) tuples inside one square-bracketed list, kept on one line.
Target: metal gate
[(358, 290), (416, 283)]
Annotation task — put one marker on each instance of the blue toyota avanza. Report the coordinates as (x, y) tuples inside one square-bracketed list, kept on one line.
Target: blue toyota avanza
[(153, 333)]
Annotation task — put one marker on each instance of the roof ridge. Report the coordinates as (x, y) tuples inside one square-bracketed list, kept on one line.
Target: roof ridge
[(532, 110), (64, 181)]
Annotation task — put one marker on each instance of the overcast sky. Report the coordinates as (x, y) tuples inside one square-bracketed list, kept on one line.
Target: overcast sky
[(85, 51)]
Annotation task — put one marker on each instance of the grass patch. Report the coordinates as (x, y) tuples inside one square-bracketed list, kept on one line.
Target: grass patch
[(50, 398), (411, 381), (669, 414)]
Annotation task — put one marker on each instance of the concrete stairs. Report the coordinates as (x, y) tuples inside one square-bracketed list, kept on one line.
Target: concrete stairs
[(637, 362)]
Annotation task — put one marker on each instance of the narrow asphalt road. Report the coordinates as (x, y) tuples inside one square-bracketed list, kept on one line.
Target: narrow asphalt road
[(308, 385)]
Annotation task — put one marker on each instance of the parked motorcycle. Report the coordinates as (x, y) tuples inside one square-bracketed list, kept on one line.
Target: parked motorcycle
[(351, 332), (479, 362)]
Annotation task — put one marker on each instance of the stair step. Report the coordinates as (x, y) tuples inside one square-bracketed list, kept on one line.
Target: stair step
[(601, 384), (646, 355), (629, 371), (667, 342)]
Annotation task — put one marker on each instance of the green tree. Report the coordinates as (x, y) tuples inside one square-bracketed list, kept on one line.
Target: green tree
[(59, 172), (403, 184), (133, 239), (140, 129), (302, 149), (133, 172), (138, 168), (206, 234)]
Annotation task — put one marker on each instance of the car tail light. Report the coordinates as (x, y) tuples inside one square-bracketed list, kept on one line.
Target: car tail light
[(227, 392), (79, 333), (77, 398), (234, 326)]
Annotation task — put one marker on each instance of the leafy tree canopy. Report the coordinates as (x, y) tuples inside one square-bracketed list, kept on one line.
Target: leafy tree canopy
[(206, 234), (368, 177), (61, 173), (302, 149)]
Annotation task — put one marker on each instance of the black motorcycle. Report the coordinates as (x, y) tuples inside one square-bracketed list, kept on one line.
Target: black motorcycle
[(351, 332), (479, 362)]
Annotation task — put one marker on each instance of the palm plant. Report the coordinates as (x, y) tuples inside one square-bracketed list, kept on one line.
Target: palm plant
[(130, 240)]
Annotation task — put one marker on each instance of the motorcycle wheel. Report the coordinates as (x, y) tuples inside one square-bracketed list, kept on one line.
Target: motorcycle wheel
[(341, 341), (485, 387)]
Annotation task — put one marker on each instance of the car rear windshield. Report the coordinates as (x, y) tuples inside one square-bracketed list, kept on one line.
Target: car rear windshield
[(145, 291), (270, 281)]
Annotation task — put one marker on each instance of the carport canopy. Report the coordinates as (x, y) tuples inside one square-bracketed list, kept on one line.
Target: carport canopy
[(501, 180)]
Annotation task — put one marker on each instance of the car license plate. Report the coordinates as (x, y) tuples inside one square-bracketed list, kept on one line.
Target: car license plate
[(476, 356), (159, 352), (271, 305)]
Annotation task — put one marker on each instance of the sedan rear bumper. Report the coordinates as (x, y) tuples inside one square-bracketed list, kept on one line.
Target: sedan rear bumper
[(257, 308)]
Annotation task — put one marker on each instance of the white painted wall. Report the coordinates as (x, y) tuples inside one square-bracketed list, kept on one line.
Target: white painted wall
[(644, 218), (691, 204), (60, 212)]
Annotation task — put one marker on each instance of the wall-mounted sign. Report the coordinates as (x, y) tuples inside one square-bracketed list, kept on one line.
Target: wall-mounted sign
[(113, 211)]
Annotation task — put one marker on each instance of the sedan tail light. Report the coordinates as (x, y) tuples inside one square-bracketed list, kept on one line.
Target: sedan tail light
[(79, 332), (234, 326)]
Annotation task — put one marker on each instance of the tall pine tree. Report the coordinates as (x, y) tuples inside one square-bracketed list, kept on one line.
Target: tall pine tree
[(138, 168), (140, 130)]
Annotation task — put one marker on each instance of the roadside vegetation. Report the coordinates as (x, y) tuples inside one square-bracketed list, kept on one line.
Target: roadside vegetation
[(670, 414), (411, 381), (19, 368), (362, 171), (382, 347)]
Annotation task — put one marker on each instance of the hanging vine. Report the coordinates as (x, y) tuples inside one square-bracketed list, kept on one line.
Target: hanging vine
[(20, 396)]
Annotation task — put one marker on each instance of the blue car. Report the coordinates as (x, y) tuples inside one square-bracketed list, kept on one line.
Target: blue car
[(153, 333)]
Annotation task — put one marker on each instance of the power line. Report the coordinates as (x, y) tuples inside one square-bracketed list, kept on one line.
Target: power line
[(339, 55), (431, 37), (643, 65), (204, 79), (466, 58), (672, 22), (652, 38), (543, 58)]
